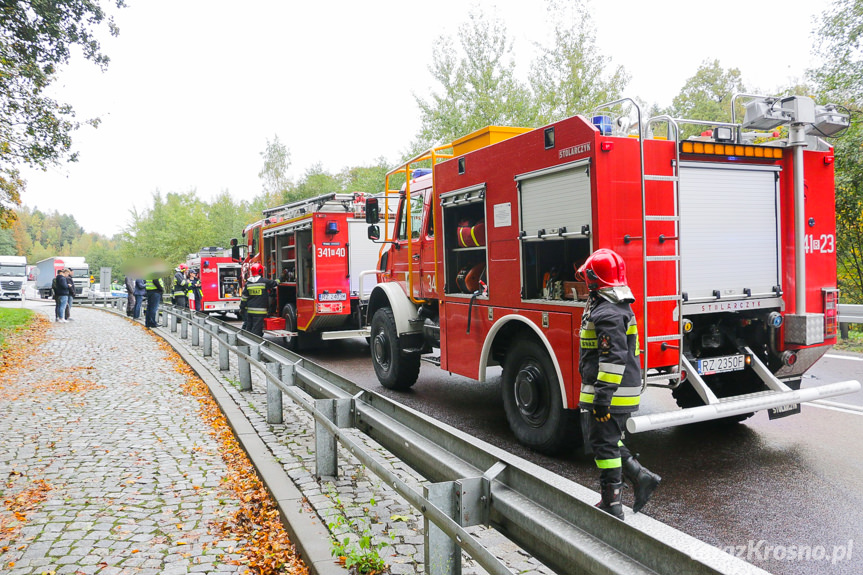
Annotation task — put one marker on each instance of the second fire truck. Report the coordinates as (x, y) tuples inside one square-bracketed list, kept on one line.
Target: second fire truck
[(317, 250), (219, 273), (728, 238)]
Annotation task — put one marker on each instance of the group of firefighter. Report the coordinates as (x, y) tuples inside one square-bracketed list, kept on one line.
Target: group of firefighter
[(609, 365), (187, 288)]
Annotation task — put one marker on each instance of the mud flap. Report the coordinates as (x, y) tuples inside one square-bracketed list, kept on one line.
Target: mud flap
[(584, 419)]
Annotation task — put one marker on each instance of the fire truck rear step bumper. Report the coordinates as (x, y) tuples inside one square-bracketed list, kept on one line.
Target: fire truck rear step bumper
[(346, 333), (728, 407)]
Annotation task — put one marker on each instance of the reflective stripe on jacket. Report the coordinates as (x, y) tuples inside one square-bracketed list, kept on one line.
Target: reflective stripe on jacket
[(609, 363)]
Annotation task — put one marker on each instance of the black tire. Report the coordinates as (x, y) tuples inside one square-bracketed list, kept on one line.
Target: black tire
[(395, 369), (532, 400), (289, 312)]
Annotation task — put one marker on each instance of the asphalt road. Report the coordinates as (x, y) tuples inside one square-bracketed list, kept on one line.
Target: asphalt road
[(770, 489)]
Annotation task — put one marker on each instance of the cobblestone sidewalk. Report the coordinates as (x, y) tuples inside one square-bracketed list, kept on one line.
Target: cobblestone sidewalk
[(131, 475)]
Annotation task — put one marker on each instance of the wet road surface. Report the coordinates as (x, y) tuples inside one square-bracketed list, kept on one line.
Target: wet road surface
[(780, 492)]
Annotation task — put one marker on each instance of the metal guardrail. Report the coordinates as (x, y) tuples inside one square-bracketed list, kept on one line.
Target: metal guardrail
[(849, 313), (472, 482)]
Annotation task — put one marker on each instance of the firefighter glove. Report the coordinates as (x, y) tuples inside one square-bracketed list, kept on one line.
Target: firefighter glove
[(601, 413)]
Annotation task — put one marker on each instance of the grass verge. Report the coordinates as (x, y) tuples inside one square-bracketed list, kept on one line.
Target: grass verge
[(13, 320), (853, 343)]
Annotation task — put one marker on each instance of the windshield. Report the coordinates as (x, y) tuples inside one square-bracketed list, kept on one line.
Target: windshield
[(81, 273), (8, 270)]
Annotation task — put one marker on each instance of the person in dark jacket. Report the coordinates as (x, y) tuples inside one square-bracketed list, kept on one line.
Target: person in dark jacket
[(61, 295), (255, 299), (611, 379), (70, 283), (140, 295), (195, 286), (154, 289), (129, 282), (181, 286)]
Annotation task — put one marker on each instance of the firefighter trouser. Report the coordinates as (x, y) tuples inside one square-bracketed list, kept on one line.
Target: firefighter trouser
[(606, 439), (181, 301), (254, 323)]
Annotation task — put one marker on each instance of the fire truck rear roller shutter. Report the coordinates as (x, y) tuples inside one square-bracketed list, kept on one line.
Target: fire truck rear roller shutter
[(467, 195), (556, 198), (287, 229), (739, 205)]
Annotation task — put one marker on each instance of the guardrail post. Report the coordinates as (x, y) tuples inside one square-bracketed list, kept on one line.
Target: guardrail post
[(245, 368), (208, 342), (184, 328), (224, 351), (326, 446), (442, 554), (843, 330), (173, 323), (196, 332), (274, 395)]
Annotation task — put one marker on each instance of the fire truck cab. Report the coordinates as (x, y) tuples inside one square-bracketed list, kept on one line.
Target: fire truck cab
[(318, 251), (728, 259)]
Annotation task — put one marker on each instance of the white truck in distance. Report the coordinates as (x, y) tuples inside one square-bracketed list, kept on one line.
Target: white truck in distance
[(13, 274), (47, 269)]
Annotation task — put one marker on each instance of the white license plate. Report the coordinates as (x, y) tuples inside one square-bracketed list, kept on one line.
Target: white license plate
[(332, 296), (721, 364)]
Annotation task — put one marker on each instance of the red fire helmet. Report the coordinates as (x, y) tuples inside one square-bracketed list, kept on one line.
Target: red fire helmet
[(604, 268), (256, 270)]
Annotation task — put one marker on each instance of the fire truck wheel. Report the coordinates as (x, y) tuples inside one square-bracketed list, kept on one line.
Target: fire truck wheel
[(289, 312), (395, 370), (532, 400)]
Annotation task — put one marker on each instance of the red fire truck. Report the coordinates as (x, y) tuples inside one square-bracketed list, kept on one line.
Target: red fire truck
[(318, 250), (219, 273), (729, 246)]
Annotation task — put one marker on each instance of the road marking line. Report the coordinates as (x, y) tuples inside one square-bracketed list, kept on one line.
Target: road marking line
[(835, 356), (835, 406)]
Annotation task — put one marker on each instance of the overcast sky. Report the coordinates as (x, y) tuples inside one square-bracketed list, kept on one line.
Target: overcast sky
[(195, 87)]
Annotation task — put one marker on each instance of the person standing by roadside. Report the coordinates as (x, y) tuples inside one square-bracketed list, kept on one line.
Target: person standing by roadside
[(140, 294), (129, 282), (61, 296), (255, 300), (611, 379), (71, 285), (195, 281), (181, 286), (154, 289)]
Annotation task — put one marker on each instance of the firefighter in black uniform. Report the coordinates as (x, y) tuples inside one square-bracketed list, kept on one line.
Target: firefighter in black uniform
[(611, 379), (254, 300), (181, 286)]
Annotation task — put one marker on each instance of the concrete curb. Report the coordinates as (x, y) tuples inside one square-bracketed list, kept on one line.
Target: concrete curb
[(306, 530)]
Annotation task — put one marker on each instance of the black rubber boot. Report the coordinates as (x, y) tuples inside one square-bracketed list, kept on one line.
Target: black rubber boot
[(644, 482), (610, 503)]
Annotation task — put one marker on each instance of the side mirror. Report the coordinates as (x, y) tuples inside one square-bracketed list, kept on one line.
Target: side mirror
[(372, 212), (374, 232)]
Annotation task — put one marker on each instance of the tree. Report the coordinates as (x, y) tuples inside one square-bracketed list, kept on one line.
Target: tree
[(365, 179), (316, 181), (479, 87), (707, 95), (35, 40), (839, 42), (567, 77), (277, 160)]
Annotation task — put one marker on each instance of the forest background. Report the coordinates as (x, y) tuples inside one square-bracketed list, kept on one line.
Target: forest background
[(477, 85)]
